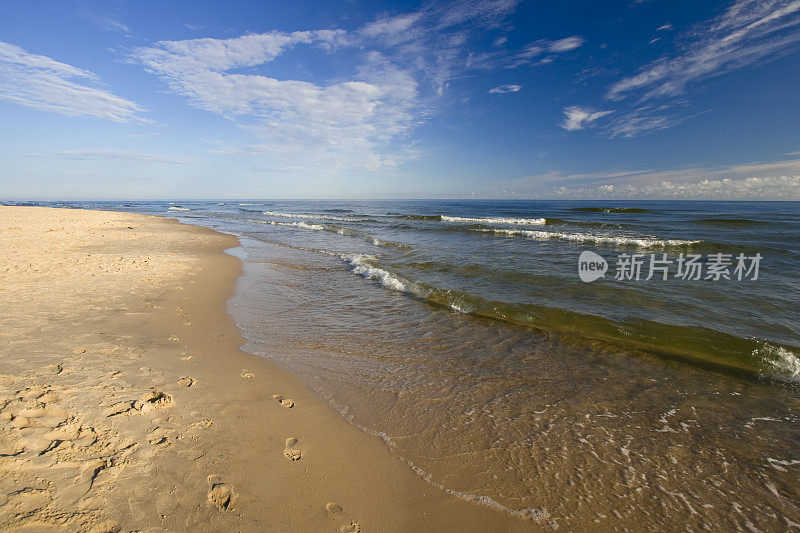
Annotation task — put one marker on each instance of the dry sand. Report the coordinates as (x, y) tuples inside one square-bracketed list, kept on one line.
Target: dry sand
[(126, 405)]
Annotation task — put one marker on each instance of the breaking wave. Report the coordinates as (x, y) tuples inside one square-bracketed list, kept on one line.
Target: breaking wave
[(312, 217), (347, 232), (779, 362), (496, 220), (641, 242), (697, 345)]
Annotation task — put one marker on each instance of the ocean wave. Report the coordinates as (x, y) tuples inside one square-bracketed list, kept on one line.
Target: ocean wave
[(418, 217), (477, 220), (363, 265), (641, 242), (347, 232), (312, 217), (779, 362), (304, 225), (705, 347), (178, 208), (496, 220)]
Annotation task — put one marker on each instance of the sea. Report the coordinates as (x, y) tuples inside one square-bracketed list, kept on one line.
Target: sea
[(580, 364)]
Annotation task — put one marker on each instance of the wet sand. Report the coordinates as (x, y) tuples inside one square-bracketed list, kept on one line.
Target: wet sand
[(125, 403)]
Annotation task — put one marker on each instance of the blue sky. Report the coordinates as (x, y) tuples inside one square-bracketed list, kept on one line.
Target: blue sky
[(346, 99)]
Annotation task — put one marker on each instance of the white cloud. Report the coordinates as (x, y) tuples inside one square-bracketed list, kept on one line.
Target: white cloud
[(755, 188), (112, 24), (347, 123), (505, 89), (578, 118), (540, 52), (394, 28), (775, 180), (566, 44), (87, 155), (434, 42), (645, 119), (43, 83), (363, 119), (749, 31), (486, 12), (746, 33)]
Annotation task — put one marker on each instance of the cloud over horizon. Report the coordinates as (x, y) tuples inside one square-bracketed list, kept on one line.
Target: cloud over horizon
[(775, 180)]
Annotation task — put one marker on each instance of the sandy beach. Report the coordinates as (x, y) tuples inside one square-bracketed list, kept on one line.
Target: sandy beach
[(125, 403)]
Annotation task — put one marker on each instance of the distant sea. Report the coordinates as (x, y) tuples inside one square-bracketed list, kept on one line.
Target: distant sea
[(462, 333)]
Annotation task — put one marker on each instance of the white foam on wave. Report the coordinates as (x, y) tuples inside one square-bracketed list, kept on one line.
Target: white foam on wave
[(362, 267), (333, 229), (497, 220), (539, 516), (303, 225), (643, 242), (176, 208), (312, 217), (784, 365)]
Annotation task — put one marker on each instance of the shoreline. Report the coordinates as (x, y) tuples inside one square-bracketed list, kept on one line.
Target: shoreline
[(126, 402)]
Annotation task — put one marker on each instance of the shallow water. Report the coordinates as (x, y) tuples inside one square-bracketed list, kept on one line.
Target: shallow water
[(461, 333)]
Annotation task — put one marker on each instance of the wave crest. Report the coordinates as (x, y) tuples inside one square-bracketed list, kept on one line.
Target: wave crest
[(642, 242)]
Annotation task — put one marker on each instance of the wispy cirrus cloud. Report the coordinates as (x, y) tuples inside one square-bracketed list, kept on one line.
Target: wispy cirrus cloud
[(747, 32), (502, 89), (121, 155), (400, 65), (539, 52), (43, 83), (578, 118), (640, 120)]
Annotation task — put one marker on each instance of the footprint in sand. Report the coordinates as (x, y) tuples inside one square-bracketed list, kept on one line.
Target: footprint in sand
[(291, 453), (286, 402), (219, 493), (335, 511), (151, 399), (352, 527), (247, 375), (202, 424), (186, 381)]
